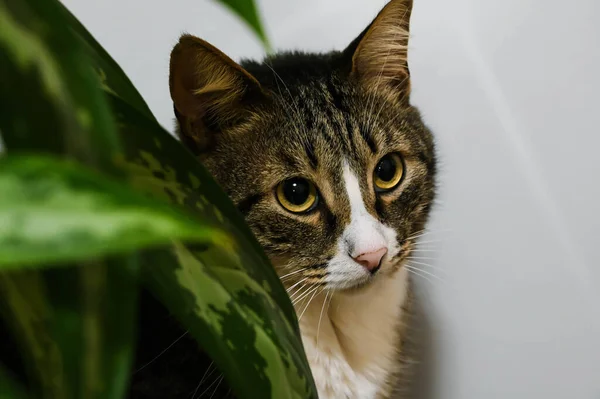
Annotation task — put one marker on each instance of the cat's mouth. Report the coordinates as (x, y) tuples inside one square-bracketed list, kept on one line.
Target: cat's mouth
[(356, 286), (343, 274), (360, 279)]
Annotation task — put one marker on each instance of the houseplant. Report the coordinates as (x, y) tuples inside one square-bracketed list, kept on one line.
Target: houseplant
[(96, 201)]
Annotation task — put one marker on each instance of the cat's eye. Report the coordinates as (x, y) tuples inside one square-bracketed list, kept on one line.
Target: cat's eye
[(297, 195), (388, 173)]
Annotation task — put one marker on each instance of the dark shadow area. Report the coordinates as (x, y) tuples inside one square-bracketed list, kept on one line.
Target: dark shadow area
[(424, 382), (10, 358), (168, 362)]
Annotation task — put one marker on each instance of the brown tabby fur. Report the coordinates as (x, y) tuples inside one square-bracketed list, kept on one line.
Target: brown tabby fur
[(298, 114)]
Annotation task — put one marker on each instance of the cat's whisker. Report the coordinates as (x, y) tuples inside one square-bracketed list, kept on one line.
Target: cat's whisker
[(413, 272), (421, 263), (416, 236), (418, 269), (305, 294), (414, 262), (424, 250), (196, 390), (308, 303), (297, 283), (428, 242), (418, 260), (422, 257), (321, 315), (292, 273), (210, 386), (161, 353), (291, 296), (313, 273), (204, 376), (299, 290), (217, 387)]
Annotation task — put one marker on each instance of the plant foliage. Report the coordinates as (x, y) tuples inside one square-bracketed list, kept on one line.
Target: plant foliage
[(97, 198)]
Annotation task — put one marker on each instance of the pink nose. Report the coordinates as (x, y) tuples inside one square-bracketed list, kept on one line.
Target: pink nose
[(371, 260)]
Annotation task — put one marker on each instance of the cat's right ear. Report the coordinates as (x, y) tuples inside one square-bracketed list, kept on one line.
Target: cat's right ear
[(210, 91), (378, 57)]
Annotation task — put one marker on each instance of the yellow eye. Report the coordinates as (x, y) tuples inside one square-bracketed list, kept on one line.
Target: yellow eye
[(388, 172), (297, 195)]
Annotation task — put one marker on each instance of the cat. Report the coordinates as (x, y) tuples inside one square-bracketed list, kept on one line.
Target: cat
[(334, 171)]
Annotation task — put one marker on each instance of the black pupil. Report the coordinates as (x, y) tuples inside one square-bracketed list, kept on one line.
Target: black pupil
[(296, 191), (386, 169)]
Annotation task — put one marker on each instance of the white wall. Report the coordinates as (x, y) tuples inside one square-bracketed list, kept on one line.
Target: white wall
[(511, 89)]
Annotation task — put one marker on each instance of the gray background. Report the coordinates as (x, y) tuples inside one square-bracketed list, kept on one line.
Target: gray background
[(511, 89)]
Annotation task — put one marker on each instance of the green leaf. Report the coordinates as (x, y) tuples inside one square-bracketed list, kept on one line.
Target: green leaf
[(51, 100), (74, 326), (225, 292), (231, 300), (77, 322), (57, 211), (9, 388), (111, 77), (247, 11)]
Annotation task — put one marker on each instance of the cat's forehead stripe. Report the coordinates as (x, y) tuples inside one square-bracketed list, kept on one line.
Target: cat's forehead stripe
[(326, 112)]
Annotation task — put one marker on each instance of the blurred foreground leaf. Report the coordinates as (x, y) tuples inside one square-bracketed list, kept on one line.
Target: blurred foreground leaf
[(74, 325), (111, 77), (248, 12), (230, 299), (63, 95), (8, 388), (51, 100), (56, 211)]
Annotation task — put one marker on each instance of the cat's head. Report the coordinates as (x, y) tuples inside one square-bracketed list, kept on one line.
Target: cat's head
[(324, 155)]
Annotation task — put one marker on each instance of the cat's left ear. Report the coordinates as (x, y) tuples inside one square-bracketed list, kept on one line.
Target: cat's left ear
[(211, 93), (379, 54)]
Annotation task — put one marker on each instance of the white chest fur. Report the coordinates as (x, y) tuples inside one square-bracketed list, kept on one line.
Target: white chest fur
[(351, 341)]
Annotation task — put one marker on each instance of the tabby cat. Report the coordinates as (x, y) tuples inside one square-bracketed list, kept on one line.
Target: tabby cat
[(333, 170)]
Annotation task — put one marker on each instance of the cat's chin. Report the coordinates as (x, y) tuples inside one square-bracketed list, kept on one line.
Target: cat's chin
[(356, 286), (359, 285)]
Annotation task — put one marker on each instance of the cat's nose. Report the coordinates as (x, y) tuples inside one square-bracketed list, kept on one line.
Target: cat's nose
[(371, 260)]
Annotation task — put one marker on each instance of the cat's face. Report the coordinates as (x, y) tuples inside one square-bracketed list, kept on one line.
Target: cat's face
[(330, 165)]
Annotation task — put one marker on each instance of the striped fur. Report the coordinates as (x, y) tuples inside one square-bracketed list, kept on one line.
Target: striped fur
[(328, 118)]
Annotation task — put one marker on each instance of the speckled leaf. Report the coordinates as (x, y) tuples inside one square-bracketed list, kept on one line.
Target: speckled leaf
[(110, 75), (73, 325), (240, 326), (57, 211), (247, 11), (231, 301), (51, 101), (226, 293)]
